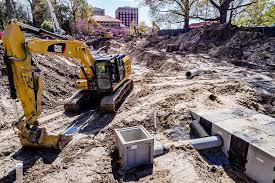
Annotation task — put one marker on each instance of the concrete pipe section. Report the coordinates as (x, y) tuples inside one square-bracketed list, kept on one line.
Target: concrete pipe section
[(198, 144), (206, 142), (203, 142), (191, 73)]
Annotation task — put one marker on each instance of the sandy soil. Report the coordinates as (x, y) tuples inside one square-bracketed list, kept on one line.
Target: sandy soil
[(160, 89)]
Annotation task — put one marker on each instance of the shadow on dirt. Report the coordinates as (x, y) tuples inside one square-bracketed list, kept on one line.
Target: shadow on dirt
[(89, 122), (29, 157), (217, 158), (133, 174)]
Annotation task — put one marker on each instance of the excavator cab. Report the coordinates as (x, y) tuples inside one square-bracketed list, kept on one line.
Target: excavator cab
[(109, 71)]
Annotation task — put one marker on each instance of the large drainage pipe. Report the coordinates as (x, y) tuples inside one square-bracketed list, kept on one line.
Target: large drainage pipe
[(198, 130), (19, 172), (206, 142), (191, 73), (203, 142)]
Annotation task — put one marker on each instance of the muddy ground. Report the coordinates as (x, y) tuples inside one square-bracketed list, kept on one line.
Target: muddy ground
[(160, 89)]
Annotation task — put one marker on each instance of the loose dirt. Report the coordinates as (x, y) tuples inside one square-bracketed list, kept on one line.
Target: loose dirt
[(160, 89)]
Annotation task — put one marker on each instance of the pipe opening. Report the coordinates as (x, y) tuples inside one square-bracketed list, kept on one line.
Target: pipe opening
[(188, 74)]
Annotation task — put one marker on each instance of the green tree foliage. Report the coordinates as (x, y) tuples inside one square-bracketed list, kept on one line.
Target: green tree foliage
[(47, 25), (40, 11), (269, 15), (260, 13), (70, 11)]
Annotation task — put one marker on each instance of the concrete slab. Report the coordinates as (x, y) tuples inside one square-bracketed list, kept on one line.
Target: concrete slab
[(248, 139), (254, 128)]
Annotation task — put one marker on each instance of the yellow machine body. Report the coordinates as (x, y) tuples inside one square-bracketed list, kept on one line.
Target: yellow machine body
[(26, 80)]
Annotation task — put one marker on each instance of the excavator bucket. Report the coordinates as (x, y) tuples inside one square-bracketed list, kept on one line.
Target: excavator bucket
[(41, 139)]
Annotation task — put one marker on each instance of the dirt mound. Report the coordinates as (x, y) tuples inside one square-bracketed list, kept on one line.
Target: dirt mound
[(202, 39), (59, 78), (59, 81), (158, 61), (252, 46), (220, 41), (234, 43)]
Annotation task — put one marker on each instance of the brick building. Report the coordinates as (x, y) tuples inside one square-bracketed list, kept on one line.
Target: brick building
[(98, 11), (108, 21), (127, 15)]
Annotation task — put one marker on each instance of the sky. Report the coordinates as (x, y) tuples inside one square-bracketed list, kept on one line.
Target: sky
[(110, 7)]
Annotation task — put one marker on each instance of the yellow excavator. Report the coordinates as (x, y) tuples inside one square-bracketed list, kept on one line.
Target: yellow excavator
[(140, 30), (155, 27), (134, 29), (104, 76), (102, 38)]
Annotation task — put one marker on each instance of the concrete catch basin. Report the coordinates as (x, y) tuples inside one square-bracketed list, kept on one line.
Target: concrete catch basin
[(135, 146), (248, 139)]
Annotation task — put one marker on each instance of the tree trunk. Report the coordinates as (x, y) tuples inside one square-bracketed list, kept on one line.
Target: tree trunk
[(187, 13), (9, 9), (186, 23), (224, 10), (223, 16)]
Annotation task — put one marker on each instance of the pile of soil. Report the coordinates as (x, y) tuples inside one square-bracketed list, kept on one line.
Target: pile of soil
[(220, 41), (251, 46), (59, 79), (202, 39)]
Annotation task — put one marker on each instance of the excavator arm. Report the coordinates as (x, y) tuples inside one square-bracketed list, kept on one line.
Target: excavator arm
[(133, 29), (91, 20), (69, 48), (155, 27), (25, 81)]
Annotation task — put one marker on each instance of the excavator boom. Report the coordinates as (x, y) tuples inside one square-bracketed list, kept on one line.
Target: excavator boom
[(25, 81)]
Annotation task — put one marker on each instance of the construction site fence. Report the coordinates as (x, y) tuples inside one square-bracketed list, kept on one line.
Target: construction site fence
[(269, 31), (172, 32)]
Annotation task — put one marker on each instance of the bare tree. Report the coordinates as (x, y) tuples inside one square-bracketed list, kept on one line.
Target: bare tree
[(171, 11), (226, 8)]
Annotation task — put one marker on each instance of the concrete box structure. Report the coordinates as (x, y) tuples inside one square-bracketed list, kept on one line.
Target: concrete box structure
[(135, 146), (248, 139)]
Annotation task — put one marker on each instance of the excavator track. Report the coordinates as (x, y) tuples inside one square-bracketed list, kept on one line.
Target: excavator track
[(109, 103), (77, 101), (112, 102)]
